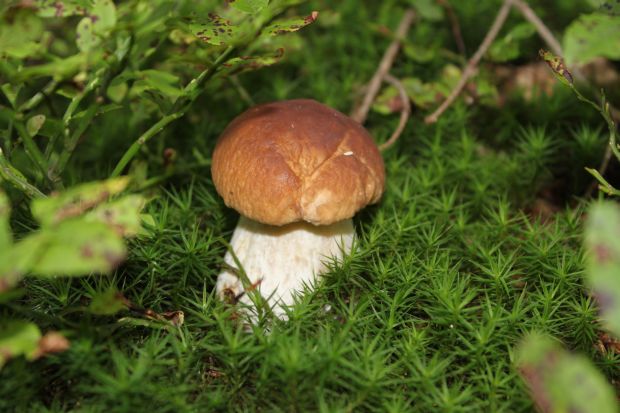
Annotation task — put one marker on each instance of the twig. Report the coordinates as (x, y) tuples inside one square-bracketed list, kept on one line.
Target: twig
[(359, 114), (456, 26), (541, 27), (470, 69), (555, 46), (404, 113), (180, 106)]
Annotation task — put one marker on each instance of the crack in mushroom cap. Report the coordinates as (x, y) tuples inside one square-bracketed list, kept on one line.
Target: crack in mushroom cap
[(297, 160)]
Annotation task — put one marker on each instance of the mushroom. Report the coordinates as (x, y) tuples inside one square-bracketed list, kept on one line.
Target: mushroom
[(297, 171)]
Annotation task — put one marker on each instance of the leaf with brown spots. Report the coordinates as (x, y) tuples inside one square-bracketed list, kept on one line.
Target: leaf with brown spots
[(245, 63), (603, 265), (290, 25), (20, 338), (249, 6), (76, 247), (122, 215), (560, 381), (76, 201), (61, 8), (6, 239), (216, 30), (590, 36)]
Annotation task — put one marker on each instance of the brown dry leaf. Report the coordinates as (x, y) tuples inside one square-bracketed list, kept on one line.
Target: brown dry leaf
[(602, 73), (52, 342), (529, 80), (607, 344)]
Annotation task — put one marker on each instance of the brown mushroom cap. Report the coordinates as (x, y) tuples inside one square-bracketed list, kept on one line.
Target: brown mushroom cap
[(297, 160)]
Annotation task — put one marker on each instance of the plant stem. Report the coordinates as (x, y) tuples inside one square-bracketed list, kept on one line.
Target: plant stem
[(32, 148), (34, 101), (71, 143), (135, 147), (13, 176), (181, 105)]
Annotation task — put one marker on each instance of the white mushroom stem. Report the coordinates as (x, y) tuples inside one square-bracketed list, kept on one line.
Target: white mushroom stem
[(280, 261)]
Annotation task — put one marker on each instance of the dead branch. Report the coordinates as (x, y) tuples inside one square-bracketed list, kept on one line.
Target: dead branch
[(472, 64), (555, 46), (456, 26), (404, 113), (361, 112)]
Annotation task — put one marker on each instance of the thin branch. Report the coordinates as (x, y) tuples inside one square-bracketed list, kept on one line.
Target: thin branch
[(361, 112), (541, 27), (545, 33), (456, 26), (180, 106), (404, 113), (470, 69), (144, 138)]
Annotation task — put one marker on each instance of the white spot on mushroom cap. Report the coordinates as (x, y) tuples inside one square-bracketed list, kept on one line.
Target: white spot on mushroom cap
[(348, 153)]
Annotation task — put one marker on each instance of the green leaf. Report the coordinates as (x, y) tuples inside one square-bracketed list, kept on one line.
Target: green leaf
[(166, 83), (61, 8), (6, 239), (560, 381), (591, 36), (216, 30), (34, 124), (289, 25), (422, 94), (75, 201), (11, 92), (85, 36), (18, 338), (108, 302), (611, 7), (508, 47), (428, 9), (18, 260), (245, 63), (103, 15), (603, 263), (78, 247), (420, 53), (249, 6), (122, 215), (57, 68), (22, 37)]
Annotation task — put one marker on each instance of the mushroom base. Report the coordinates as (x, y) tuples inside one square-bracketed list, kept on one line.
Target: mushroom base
[(281, 261)]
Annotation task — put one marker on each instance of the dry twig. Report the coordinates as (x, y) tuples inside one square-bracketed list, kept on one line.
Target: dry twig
[(556, 48), (404, 113), (470, 69), (361, 112), (456, 27)]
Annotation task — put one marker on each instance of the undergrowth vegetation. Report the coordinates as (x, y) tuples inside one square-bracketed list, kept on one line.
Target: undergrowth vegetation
[(477, 242)]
